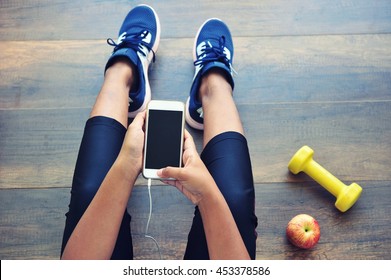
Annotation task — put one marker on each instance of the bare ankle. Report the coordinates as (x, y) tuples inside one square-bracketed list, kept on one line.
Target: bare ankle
[(214, 80), (123, 71)]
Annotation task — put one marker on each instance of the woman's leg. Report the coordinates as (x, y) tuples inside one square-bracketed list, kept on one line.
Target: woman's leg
[(211, 107), (124, 93), (220, 112), (227, 159), (101, 143), (113, 98)]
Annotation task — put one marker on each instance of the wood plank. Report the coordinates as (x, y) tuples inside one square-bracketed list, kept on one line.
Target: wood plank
[(32, 223), (313, 69), (361, 233), (352, 140), (39, 147), (51, 74), (277, 70), (310, 72), (63, 20)]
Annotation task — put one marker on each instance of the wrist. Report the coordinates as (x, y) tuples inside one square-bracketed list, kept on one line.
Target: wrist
[(210, 198), (128, 169)]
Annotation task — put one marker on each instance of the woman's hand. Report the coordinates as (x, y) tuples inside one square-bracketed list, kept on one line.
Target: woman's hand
[(194, 179), (197, 184), (131, 154)]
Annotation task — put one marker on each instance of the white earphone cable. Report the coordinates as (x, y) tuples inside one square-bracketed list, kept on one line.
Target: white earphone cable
[(149, 219)]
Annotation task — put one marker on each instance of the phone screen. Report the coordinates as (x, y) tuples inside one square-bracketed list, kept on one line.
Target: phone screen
[(164, 139)]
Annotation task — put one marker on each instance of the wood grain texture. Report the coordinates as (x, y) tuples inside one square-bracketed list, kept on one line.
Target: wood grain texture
[(33, 221), (314, 73), (64, 74), (352, 140), (360, 233), (86, 19)]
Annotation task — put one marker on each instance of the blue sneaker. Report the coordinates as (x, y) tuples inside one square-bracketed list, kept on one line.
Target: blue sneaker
[(213, 47), (138, 41)]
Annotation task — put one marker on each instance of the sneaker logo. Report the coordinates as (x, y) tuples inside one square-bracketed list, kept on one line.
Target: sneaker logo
[(197, 69), (121, 38), (201, 48), (144, 51), (201, 112), (147, 37), (227, 53)]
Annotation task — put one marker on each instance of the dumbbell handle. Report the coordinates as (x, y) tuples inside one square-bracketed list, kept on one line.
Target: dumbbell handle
[(323, 177)]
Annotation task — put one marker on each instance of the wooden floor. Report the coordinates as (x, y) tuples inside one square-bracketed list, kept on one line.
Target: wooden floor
[(314, 73)]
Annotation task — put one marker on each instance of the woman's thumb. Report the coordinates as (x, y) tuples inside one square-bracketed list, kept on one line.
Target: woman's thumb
[(170, 172)]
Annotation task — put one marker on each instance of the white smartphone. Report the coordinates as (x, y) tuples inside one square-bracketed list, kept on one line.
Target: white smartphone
[(164, 134)]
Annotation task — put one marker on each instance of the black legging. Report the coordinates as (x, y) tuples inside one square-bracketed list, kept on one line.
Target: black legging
[(226, 157)]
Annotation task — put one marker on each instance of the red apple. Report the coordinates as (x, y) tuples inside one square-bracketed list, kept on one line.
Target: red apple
[(303, 231)]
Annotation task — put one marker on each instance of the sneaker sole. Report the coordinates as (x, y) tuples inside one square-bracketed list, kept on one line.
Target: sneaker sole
[(190, 121), (148, 95)]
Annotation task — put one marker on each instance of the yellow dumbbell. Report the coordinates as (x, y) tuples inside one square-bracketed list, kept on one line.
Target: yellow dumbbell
[(346, 195)]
